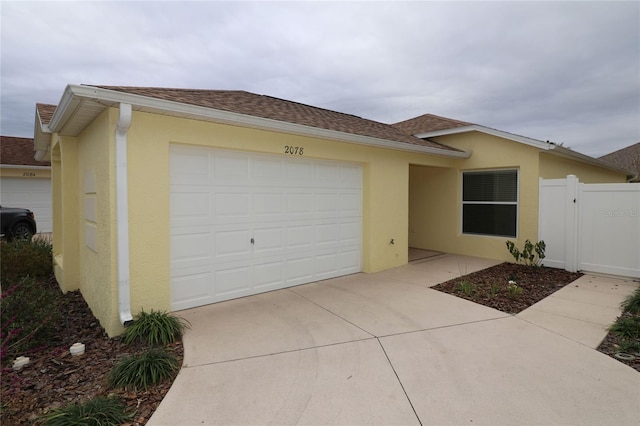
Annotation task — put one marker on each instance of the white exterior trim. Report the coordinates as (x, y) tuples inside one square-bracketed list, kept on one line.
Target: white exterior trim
[(122, 215), (74, 94), (15, 166)]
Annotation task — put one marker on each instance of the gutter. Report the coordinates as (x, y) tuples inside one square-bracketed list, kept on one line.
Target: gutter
[(122, 215)]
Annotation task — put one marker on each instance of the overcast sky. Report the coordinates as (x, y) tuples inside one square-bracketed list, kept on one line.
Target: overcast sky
[(568, 72)]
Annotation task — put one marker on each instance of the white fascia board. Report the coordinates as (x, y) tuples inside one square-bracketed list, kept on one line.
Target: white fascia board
[(63, 111), (17, 166), (112, 97), (41, 139), (574, 155), (499, 133)]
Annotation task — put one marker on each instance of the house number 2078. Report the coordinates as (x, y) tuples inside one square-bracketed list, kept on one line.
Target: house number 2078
[(293, 150)]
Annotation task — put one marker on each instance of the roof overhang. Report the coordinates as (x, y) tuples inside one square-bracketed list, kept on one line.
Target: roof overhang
[(26, 167), (80, 105), (548, 147), (41, 139)]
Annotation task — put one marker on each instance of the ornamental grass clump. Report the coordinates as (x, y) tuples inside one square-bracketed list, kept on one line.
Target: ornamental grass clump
[(101, 411), (632, 303), (627, 328), (138, 372), (155, 328)]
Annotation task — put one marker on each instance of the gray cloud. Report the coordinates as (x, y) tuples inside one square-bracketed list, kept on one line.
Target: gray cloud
[(566, 71)]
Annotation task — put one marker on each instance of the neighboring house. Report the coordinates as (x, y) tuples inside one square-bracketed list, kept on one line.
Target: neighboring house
[(25, 182), (626, 158), (172, 198)]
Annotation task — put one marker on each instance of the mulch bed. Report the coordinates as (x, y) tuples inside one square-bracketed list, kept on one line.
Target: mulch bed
[(611, 346), (536, 283), (55, 378), (490, 286)]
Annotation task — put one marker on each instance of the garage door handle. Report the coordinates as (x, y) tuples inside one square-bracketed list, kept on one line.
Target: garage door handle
[(252, 241)]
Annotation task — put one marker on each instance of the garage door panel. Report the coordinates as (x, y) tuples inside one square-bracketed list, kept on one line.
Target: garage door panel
[(268, 205), (299, 270), (349, 261), (305, 222), (192, 205), (350, 233), (300, 236), (232, 242), (230, 168), (326, 265), (269, 171), (269, 274), (192, 289), (300, 173), (351, 176), (189, 166), (269, 240), (327, 233), (232, 204), (231, 279), (300, 205), (187, 247)]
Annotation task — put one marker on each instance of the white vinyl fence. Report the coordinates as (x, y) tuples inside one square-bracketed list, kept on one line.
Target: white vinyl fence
[(590, 227)]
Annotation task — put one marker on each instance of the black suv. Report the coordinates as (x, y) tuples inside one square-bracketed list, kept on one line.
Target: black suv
[(17, 223)]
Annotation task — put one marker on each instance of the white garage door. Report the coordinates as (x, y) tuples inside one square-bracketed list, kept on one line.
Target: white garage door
[(33, 194), (244, 223)]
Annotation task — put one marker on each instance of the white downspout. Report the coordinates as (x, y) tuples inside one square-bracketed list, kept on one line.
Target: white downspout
[(122, 215)]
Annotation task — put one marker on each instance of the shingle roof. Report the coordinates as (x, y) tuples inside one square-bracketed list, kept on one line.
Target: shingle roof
[(19, 152), (429, 123), (281, 110), (625, 158), (46, 112)]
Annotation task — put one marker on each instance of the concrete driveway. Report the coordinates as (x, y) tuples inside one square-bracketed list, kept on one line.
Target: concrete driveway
[(387, 349)]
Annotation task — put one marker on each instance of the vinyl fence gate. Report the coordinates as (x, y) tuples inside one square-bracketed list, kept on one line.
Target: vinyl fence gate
[(590, 227)]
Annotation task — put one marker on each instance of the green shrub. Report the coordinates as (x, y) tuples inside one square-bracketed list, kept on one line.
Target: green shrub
[(632, 303), (19, 259), (627, 327), (141, 371), (155, 328), (96, 412), (29, 311), (531, 254)]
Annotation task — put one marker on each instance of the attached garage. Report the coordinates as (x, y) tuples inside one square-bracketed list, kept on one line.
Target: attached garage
[(29, 193), (25, 182), (245, 223)]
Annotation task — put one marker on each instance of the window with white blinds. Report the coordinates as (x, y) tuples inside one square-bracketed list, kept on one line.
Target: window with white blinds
[(490, 202)]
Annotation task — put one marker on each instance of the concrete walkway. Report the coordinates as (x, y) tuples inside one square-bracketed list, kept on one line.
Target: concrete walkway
[(387, 349)]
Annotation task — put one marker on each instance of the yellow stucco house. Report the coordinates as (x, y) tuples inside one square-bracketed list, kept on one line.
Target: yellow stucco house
[(172, 198)]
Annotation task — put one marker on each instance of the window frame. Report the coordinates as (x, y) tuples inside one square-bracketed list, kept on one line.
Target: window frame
[(515, 203)]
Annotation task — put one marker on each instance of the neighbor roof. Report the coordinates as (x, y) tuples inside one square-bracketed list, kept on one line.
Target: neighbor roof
[(17, 151), (429, 123), (45, 111), (281, 110), (626, 158)]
